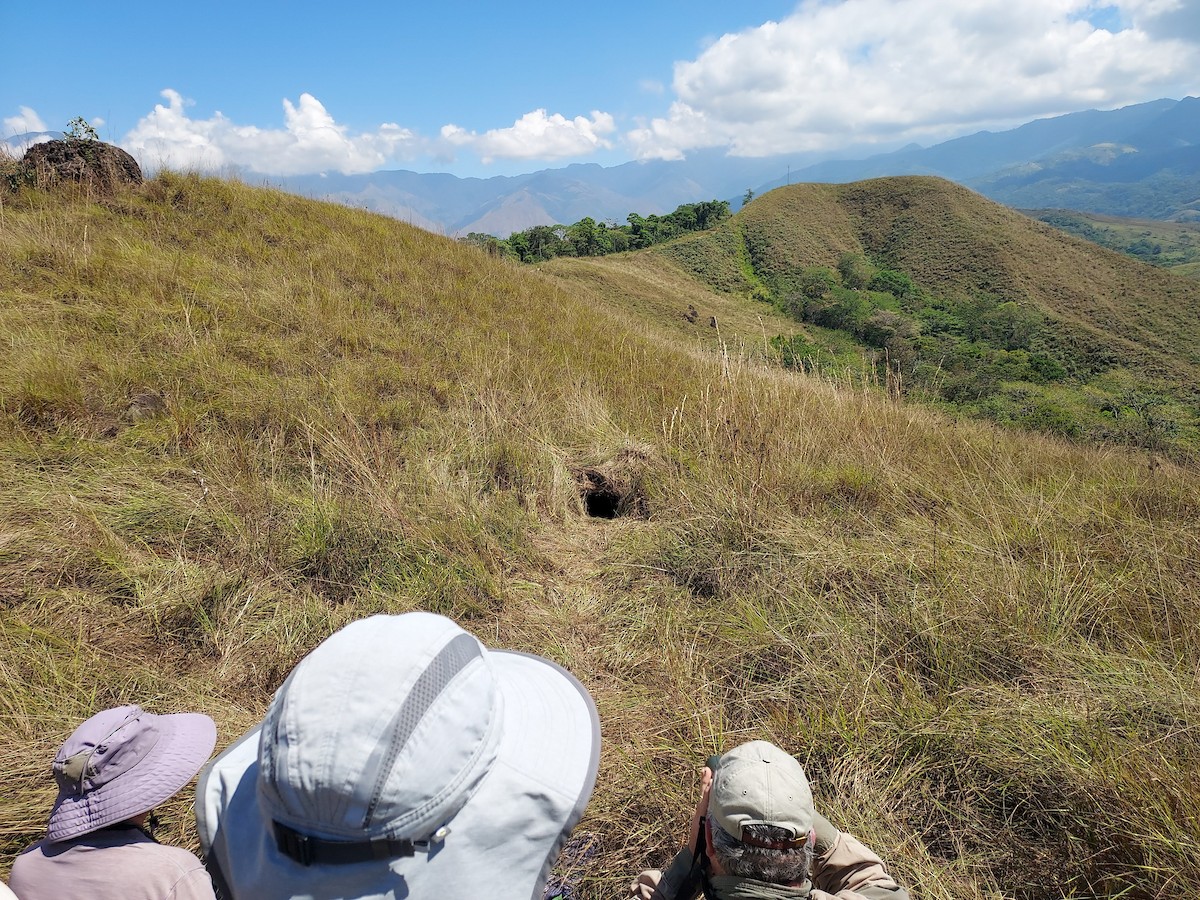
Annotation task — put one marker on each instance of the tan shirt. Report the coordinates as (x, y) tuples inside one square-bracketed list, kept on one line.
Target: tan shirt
[(844, 870), (110, 864), (849, 871)]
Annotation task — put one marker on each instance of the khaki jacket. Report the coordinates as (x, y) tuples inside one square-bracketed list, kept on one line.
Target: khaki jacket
[(120, 862), (843, 869)]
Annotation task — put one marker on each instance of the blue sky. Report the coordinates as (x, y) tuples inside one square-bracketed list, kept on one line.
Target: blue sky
[(483, 88)]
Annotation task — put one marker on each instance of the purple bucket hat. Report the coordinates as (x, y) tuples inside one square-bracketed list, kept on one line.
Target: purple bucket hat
[(123, 762)]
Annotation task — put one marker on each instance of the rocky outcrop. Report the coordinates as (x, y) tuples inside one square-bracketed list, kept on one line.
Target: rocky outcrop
[(99, 166)]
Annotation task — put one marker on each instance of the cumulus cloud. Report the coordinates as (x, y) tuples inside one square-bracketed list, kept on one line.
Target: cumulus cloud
[(26, 120), (536, 135), (861, 71), (1167, 18), (310, 141)]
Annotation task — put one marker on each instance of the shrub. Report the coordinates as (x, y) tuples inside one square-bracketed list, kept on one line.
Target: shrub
[(856, 270)]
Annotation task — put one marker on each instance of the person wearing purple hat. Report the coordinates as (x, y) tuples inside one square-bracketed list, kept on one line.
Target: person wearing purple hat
[(112, 772)]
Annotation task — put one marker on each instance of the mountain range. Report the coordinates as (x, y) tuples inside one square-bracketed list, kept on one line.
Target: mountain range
[(1141, 160), (1137, 161)]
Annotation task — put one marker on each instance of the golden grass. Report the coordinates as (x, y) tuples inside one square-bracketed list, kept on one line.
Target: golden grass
[(652, 291), (984, 646)]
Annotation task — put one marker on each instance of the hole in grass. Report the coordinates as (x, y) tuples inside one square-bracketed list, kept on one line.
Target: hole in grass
[(601, 495), (614, 489)]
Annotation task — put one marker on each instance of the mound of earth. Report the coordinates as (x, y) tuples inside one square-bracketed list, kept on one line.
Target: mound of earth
[(100, 166), (614, 488)]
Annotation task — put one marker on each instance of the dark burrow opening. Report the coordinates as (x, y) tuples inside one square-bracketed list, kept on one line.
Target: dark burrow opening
[(601, 496)]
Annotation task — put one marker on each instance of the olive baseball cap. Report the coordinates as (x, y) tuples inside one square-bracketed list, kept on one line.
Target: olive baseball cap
[(759, 784)]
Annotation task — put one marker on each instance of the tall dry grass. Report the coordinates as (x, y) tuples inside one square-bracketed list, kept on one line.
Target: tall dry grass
[(983, 646)]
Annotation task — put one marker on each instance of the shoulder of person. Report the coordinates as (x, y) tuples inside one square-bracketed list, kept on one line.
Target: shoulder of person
[(168, 855)]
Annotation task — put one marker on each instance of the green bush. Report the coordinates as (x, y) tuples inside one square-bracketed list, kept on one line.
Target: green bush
[(856, 270), (794, 352), (1045, 415)]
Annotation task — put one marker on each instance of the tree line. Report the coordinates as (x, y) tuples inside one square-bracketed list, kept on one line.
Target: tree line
[(587, 237)]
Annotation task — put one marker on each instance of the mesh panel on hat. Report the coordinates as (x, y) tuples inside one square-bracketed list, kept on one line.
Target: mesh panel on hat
[(357, 741), (427, 688)]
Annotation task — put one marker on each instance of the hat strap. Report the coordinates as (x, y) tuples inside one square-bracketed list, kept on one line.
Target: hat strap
[(765, 844), (308, 850)]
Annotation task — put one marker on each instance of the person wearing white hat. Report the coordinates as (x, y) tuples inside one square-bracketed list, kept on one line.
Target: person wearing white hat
[(757, 836), (403, 759), (111, 773)]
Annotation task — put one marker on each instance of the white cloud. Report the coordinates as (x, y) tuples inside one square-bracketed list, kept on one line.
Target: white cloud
[(26, 120), (1167, 18), (850, 71), (311, 141), (536, 135)]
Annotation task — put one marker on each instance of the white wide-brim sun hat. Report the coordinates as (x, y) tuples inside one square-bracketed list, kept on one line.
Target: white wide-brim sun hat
[(403, 734)]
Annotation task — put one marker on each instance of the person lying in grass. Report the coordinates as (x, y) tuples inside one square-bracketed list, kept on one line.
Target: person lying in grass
[(756, 836)]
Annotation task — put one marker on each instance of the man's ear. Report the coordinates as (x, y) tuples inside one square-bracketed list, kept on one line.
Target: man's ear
[(710, 851)]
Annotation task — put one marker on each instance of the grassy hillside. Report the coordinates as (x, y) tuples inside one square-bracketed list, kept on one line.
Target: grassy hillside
[(232, 420), (1170, 245), (964, 302), (648, 291)]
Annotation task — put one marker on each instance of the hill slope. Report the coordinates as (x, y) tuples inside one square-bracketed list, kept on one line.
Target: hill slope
[(232, 420), (980, 288), (956, 242), (1174, 246)]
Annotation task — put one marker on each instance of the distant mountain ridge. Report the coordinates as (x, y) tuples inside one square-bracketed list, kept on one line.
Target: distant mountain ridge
[(977, 155), (503, 204), (17, 144), (1139, 161)]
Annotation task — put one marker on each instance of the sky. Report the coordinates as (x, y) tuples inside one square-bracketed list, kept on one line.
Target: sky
[(478, 89)]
